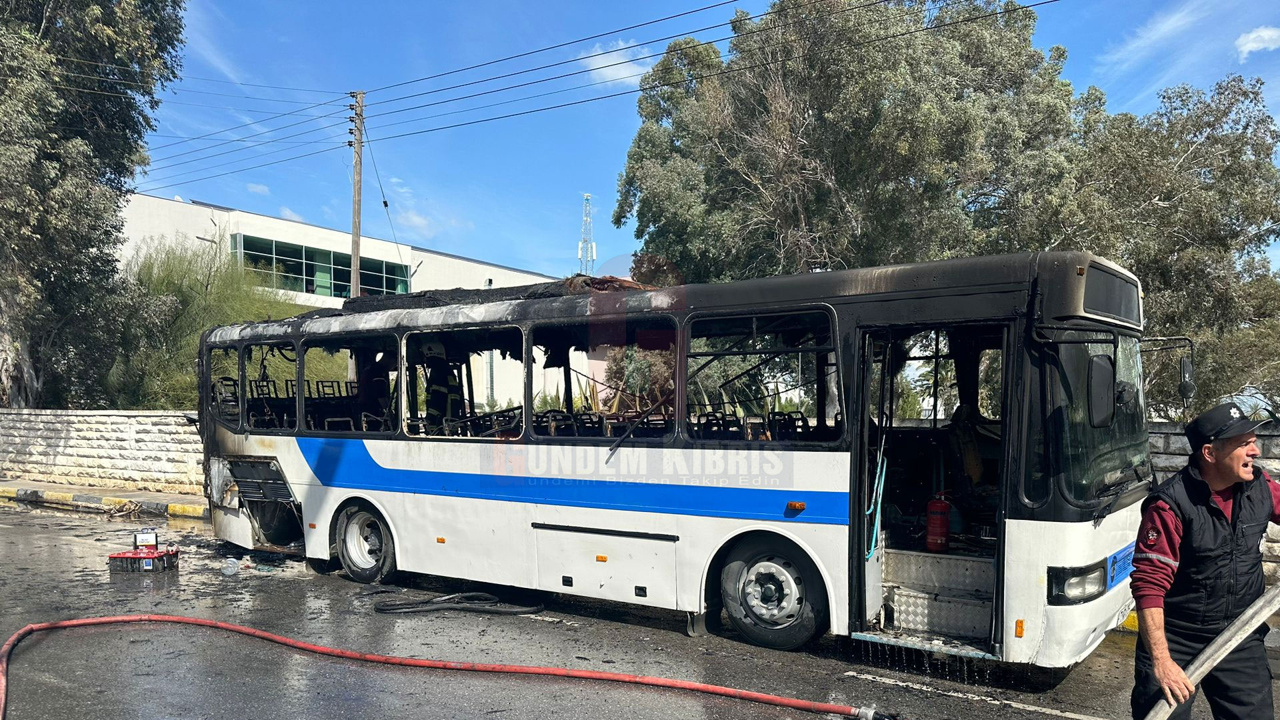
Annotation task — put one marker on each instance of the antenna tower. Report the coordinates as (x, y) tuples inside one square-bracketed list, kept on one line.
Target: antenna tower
[(587, 247)]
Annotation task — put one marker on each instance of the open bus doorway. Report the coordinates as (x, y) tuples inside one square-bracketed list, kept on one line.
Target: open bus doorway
[(933, 449)]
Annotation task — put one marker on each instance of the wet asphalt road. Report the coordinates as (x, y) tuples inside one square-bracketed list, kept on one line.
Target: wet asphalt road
[(53, 566)]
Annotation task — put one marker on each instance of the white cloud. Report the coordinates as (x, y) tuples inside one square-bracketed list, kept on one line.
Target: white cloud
[(258, 189), (416, 223), (619, 65), (1257, 39), (200, 44), (1155, 35), (288, 214)]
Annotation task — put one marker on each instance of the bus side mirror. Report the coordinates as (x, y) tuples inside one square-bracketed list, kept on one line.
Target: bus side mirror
[(1102, 390), (1187, 385)]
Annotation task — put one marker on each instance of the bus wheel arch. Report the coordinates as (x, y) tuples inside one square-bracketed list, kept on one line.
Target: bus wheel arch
[(789, 573), (363, 540)]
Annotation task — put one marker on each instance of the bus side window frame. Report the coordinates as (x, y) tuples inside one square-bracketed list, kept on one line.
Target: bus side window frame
[(404, 402), (245, 426), (398, 402), (677, 329), (683, 370), (211, 406)]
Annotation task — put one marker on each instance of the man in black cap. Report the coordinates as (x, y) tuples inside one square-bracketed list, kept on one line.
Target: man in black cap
[(1198, 565)]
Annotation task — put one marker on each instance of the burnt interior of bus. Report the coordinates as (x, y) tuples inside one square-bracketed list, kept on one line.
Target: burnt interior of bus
[(350, 384), (603, 378), (441, 383), (769, 378), (934, 435)]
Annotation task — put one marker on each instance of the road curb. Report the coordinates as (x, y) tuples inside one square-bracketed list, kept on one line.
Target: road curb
[(102, 502)]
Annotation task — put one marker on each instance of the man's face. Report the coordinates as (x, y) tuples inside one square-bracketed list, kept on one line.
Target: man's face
[(1235, 458)]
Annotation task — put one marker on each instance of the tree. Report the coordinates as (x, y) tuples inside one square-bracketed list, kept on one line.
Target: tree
[(174, 292), (1188, 198), (838, 135), (833, 139), (75, 102)]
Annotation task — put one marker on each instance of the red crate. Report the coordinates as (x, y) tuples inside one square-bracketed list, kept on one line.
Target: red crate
[(144, 560)]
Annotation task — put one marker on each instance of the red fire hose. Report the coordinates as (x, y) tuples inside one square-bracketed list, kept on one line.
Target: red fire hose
[(806, 705)]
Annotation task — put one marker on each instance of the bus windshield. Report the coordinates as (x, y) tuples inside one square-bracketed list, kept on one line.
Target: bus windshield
[(1086, 462)]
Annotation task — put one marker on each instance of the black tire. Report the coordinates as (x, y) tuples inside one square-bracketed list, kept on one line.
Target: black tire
[(773, 593), (366, 548)]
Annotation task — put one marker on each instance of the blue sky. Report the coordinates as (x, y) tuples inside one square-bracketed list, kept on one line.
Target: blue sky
[(511, 191)]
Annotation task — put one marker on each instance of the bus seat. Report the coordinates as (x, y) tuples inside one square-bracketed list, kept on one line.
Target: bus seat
[(589, 424)]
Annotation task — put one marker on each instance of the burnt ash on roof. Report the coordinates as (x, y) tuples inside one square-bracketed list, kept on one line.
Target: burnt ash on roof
[(575, 285)]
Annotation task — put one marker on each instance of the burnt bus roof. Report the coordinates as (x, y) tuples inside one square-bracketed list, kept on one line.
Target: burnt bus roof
[(1061, 275)]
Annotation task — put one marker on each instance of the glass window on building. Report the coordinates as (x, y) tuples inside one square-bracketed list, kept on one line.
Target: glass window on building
[(287, 266)]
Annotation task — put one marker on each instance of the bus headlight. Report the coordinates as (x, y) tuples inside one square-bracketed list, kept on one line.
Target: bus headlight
[(1072, 586)]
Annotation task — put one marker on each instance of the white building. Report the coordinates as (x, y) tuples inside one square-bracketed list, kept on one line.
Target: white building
[(309, 264)]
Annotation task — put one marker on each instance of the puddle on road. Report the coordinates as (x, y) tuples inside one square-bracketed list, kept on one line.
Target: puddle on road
[(76, 545)]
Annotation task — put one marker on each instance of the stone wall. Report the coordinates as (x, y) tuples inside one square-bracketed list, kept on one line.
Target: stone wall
[(1169, 451), (144, 450)]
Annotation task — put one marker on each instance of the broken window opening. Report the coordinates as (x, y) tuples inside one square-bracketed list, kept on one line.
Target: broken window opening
[(270, 371), (594, 379), (224, 384), (767, 378), (449, 371), (351, 384)]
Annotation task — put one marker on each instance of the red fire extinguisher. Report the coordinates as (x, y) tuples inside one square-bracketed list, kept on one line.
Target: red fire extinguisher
[(938, 524)]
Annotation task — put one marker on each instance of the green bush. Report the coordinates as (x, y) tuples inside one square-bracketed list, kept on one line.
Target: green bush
[(176, 290)]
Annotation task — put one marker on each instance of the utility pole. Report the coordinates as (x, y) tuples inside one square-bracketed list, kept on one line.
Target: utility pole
[(357, 175), (488, 285)]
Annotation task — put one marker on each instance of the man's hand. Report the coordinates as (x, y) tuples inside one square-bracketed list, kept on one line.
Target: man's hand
[(1173, 681)]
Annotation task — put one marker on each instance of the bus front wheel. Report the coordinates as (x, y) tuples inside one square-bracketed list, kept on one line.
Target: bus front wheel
[(773, 592), (365, 546)]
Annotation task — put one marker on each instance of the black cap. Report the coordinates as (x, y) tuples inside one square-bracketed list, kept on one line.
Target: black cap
[(1224, 421)]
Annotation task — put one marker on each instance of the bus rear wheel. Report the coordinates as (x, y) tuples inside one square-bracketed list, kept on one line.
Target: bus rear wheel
[(773, 593), (365, 546)]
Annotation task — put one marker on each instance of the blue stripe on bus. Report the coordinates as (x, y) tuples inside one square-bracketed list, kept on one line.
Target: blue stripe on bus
[(347, 464)]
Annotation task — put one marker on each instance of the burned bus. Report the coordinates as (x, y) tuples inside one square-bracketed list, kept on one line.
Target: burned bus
[(946, 456)]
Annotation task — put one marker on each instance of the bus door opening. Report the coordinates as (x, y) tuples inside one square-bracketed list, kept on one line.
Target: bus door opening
[(932, 449)]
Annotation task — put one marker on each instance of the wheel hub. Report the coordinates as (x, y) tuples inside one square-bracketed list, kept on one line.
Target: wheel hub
[(364, 541), (772, 592)]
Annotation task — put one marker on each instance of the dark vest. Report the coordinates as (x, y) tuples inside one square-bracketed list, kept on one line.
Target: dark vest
[(1220, 562)]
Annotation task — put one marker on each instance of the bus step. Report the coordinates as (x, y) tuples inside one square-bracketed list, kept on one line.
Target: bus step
[(962, 616)]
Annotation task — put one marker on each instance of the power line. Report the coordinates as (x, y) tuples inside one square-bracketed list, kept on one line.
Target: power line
[(104, 78), (599, 67), (175, 102), (155, 166), (201, 79), (548, 66), (189, 137), (557, 46), (199, 170), (245, 137), (252, 167), (237, 127), (381, 191), (714, 5), (66, 128), (537, 95), (725, 71), (472, 67)]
